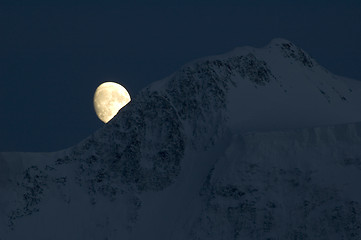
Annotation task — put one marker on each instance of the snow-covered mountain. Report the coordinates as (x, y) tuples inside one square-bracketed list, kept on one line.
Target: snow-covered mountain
[(253, 144)]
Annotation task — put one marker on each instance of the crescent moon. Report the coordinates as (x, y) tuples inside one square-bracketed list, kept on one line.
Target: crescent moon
[(109, 98)]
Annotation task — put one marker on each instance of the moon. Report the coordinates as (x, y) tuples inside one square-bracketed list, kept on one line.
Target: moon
[(109, 98)]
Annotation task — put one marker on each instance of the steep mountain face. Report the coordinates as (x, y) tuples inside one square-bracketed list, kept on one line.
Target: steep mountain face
[(252, 144), (298, 184)]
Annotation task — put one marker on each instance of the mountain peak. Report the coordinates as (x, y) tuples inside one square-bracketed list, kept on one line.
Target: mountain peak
[(279, 42), (279, 82)]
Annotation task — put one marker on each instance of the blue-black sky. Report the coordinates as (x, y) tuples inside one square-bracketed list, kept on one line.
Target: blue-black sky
[(54, 55)]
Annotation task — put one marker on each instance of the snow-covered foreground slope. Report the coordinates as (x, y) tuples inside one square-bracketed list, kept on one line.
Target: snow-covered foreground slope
[(252, 144), (297, 184)]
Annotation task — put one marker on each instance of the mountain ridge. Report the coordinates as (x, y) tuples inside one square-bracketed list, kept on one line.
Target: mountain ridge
[(159, 154)]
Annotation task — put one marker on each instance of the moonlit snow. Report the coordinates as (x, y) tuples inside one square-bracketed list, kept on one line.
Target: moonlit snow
[(253, 144)]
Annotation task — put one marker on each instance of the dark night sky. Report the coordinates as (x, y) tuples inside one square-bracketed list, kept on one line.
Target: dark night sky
[(54, 55)]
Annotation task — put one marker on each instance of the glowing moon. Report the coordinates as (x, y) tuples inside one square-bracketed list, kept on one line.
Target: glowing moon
[(109, 98)]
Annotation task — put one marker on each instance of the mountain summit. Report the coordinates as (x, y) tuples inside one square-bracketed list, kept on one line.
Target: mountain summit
[(252, 144)]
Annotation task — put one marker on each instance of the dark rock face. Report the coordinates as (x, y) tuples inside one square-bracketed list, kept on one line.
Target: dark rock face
[(33, 183), (141, 148), (151, 157), (291, 51), (199, 92), (255, 70)]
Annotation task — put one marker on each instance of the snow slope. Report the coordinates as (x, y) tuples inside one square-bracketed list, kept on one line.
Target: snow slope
[(253, 144)]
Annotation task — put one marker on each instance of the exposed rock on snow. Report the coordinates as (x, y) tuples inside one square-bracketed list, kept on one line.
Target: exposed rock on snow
[(252, 144)]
